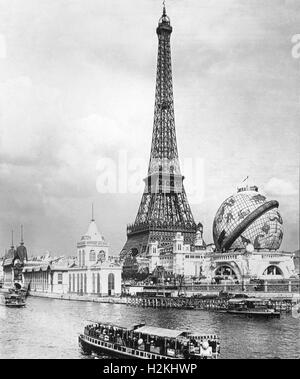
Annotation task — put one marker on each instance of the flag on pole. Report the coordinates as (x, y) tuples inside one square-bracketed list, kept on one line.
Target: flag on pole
[(245, 179)]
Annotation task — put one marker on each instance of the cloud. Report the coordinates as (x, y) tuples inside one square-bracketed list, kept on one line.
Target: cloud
[(280, 187), (3, 50), (29, 119)]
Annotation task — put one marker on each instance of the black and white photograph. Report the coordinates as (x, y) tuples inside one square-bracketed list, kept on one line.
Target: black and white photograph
[(149, 182)]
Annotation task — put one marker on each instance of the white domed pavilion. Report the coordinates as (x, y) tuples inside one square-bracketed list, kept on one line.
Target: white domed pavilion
[(94, 274)]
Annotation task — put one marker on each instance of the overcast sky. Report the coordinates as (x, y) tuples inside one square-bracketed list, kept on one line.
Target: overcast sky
[(77, 81)]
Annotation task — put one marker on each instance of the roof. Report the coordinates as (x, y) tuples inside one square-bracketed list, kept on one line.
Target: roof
[(44, 267), (160, 332), (106, 264), (93, 234), (252, 299), (125, 325)]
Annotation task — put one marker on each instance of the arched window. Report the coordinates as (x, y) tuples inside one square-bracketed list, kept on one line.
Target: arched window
[(78, 285), (70, 283), (92, 256), (101, 255), (74, 290), (273, 270), (83, 258), (225, 272), (79, 258), (111, 284)]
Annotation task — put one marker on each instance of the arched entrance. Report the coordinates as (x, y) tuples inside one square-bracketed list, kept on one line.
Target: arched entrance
[(225, 272), (111, 284), (273, 271)]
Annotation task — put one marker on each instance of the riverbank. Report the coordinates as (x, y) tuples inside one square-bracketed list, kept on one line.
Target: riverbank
[(74, 297), (294, 297)]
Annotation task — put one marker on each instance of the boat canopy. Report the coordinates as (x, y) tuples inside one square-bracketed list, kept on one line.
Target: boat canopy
[(108, 325), (248, 300), (160, 332)]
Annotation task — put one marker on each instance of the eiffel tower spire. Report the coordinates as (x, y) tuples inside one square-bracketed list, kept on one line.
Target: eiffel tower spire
[(164, 209), (164, 154)]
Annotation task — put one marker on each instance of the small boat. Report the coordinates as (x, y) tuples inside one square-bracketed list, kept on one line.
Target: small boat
[(147, 342), (14, 300), (252, 307), (189, 307)]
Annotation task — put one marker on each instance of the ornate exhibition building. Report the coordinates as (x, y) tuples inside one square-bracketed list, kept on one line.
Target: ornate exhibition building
[(249, 226)]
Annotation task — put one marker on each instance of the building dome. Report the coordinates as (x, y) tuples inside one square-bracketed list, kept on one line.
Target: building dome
[(21, 253), (93, 234), (248, 218)]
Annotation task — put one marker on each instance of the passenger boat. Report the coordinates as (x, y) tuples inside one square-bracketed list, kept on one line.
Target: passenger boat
[(147, 342), (252, 307), (14, 300)]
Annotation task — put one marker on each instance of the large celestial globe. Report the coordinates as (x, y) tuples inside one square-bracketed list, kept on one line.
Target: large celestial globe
[(248, 218)]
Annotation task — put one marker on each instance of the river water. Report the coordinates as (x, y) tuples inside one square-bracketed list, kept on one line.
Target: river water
[(48, 328)]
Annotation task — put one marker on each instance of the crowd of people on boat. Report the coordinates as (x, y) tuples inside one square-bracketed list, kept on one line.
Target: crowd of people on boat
[(184, 347)]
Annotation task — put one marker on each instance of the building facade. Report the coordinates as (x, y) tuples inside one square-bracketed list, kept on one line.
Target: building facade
[(243, 266), (94, 274), (210, 266), (179, 258), (247, 230), (46, 275)]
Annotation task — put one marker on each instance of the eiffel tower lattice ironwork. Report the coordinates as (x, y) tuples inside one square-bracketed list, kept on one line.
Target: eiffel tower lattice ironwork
[(164, 209)]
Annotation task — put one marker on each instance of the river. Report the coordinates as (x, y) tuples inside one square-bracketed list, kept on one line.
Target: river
[(48, 328)]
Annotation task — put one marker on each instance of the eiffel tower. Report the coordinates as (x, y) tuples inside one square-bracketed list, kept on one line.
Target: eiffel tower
[(164, 209)]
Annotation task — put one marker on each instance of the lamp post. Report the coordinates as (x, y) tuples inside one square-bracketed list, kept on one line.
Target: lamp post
[(243, 279), (249, 250)]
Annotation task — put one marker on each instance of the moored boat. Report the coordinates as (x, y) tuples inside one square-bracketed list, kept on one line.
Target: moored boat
[(252, 307), (148, 342), (13, 300)]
